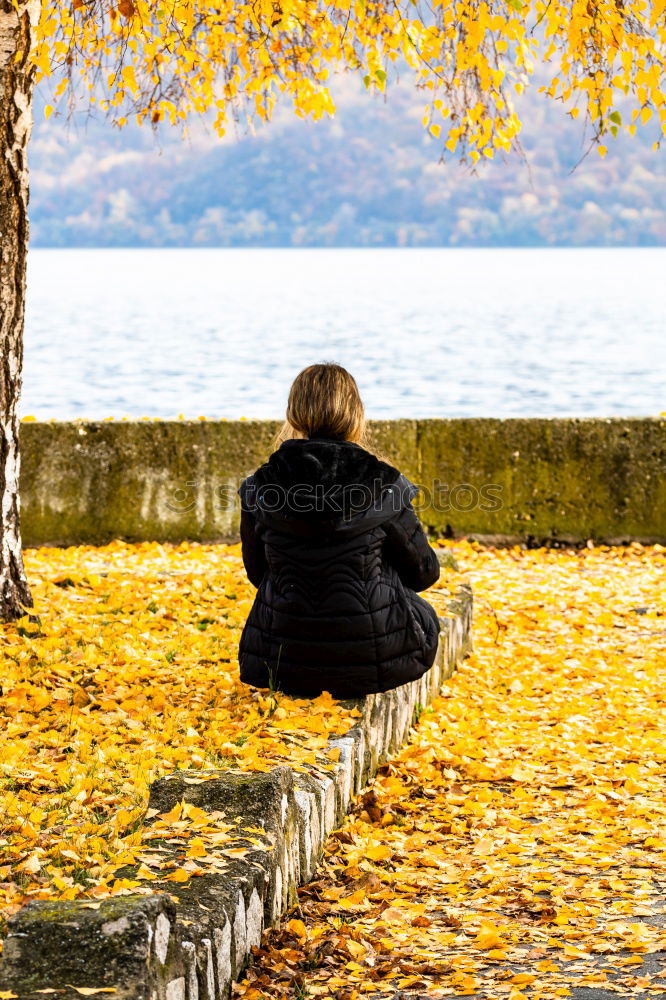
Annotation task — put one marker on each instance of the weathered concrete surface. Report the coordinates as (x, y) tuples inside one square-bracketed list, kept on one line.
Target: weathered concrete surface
[(557, 479), (565, 480), (447, 560), (112, 942), (87, 482), (190, 941)]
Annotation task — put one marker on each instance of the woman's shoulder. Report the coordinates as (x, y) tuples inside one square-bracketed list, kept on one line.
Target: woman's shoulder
[(403, 490), (247, 492)]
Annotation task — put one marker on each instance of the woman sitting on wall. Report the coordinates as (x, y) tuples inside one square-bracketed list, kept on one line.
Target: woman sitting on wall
[(332, 543)]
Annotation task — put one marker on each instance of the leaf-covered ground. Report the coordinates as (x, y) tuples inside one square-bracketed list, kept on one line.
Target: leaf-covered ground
[(131, 673), (516, 847)]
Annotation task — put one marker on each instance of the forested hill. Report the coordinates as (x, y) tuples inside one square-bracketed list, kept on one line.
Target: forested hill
[(369, 177)]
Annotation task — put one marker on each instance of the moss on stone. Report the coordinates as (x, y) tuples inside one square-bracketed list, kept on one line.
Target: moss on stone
[(252, 794), (56, 943), (396, 442), (447, 560), (155, 480), (554, 479)]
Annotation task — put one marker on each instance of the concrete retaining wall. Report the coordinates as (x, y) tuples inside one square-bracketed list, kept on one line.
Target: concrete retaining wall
[(501, 480), (190, 941)]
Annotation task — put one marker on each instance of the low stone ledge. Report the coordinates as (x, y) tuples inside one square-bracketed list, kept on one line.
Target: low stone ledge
[(190, 941), (120, 942)]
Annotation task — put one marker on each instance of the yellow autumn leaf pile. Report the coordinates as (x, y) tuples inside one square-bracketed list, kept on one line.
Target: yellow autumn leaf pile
[(517, 846), (131, 674)]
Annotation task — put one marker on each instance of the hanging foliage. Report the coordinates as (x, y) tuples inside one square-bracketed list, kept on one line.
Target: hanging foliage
[(164, 61)]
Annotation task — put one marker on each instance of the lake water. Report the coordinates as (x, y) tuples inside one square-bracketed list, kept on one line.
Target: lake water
[(221, 333)]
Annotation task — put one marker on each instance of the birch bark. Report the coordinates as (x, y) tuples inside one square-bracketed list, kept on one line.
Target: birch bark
[(16, 84)]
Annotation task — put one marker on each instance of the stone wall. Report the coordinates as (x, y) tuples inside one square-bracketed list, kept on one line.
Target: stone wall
[(189, 941), (533, 479)]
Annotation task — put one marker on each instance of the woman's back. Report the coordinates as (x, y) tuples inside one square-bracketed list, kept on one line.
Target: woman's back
[(332, 543)]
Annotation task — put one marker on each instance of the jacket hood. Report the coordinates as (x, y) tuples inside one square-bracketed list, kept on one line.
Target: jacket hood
[(312, 485)]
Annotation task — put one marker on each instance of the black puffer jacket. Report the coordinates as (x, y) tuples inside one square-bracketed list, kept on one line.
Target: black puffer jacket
[(331, 540)]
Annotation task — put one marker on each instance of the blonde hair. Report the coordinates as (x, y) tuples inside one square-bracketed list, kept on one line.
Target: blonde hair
[(324, 401)]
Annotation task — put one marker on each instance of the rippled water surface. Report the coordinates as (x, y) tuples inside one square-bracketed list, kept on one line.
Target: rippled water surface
[(221, 333)]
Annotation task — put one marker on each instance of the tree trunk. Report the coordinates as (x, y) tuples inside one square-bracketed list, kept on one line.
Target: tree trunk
[(16, 82)]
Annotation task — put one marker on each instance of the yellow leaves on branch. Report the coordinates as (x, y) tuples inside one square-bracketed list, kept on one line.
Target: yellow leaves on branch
[(166, 62), (131, 674)]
